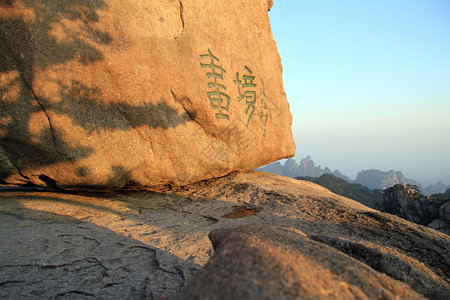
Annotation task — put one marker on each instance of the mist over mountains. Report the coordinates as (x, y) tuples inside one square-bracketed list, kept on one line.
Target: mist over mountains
[(372, 179), (306, 168)]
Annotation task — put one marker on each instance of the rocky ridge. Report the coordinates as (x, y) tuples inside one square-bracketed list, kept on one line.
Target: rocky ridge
[(408, 202), (297, 240), (437, 188), (376, 179), (373, 179), (344, 188), (305, 168)]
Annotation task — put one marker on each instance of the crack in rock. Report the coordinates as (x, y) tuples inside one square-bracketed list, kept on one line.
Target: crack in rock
[(182, 19)]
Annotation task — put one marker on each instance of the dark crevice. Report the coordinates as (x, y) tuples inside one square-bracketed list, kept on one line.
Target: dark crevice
[(10, 282), (51, 183), (35, 97), (73, 293), (215, 220), (375, 215), (181, 18), (191, 113)]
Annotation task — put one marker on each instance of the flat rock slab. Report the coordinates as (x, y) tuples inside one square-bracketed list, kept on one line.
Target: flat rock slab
[(105, 94), (134, 244)]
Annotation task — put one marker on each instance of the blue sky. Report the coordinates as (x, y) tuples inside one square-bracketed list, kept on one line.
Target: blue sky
[(368, 83)]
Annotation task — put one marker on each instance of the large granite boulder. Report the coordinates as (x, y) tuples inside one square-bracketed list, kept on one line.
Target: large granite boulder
[(107, 94)]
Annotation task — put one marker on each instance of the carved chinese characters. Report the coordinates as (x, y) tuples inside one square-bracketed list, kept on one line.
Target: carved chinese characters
[(246, 90), (248, 94), (217, 98)]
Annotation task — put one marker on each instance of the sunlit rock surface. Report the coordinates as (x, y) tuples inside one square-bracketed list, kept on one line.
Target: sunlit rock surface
[(298, 239), (105, 94)]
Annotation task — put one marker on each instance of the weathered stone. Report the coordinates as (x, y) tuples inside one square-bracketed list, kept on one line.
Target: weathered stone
[(407, 202), (138, 244), (105, 94), (444, 212), (442, 223), (256, 262)]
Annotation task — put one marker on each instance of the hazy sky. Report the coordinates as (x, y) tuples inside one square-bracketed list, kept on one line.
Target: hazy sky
[(368, 82)]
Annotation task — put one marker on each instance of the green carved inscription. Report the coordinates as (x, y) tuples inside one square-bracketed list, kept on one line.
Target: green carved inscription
[(217, 98), (248, 92), (246, 84)]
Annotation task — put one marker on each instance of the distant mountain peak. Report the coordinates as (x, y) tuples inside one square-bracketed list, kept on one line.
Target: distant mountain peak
[(376, 179), (305, 168), (371, 178)]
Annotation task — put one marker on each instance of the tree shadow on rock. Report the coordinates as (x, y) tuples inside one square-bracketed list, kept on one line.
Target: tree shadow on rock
[(38, 35), (93, 115), (26, 43), (46, 255)]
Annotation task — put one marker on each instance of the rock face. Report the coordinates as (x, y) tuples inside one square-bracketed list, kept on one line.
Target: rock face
[(107, 94), (272, 236), (407, 202), (442, 223), (342, 187)]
